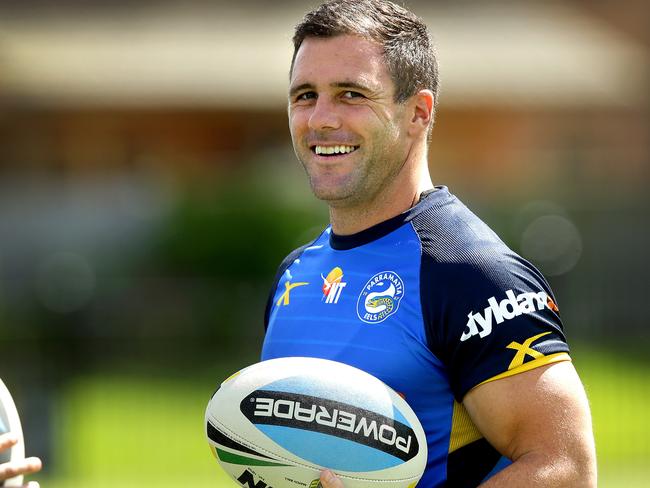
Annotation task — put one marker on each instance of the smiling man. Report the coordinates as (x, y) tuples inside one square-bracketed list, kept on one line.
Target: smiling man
[(406, 283)]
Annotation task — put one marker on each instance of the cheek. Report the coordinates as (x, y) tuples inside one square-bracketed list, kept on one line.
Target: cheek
[(386, 133), (384, 123), (297, 120)]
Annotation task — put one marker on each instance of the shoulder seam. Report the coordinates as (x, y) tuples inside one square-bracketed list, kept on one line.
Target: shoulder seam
[(420, 274)]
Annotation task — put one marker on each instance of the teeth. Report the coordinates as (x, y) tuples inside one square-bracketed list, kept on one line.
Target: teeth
[(334, 149)]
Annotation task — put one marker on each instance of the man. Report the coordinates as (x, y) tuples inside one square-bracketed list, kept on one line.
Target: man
[(406, 283)]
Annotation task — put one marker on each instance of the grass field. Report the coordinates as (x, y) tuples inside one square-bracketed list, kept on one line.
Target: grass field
[(128, 432)]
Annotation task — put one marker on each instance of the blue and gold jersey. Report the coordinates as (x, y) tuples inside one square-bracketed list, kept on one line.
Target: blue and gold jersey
[(431, 302)]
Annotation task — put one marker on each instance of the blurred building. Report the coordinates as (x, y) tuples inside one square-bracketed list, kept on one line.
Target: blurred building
[(109, 111)]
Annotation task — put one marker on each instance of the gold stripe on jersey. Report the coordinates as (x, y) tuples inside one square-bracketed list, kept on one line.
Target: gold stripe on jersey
[(536, 363), (463, 430)]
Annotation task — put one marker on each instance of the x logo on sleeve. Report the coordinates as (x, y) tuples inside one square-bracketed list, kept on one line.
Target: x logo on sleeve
[(524, 350)]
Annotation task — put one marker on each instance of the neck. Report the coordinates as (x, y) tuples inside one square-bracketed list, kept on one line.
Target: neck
[(396, 197)]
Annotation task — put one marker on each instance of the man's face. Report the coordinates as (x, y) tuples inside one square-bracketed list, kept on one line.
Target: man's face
[(346, 129)]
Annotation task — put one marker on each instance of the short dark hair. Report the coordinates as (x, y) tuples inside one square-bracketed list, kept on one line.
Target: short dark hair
[(403, 36)]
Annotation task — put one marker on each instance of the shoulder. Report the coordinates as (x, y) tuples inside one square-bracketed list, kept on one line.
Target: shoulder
[(479, 297), (464, 262), (284, 265), (290, 258), (459, 250), (451, 232)]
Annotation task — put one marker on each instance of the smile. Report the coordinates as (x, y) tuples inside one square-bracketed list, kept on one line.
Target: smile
[(330, 150)]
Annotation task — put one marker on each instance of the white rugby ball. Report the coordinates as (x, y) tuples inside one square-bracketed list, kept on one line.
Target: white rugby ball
[(278, 423)]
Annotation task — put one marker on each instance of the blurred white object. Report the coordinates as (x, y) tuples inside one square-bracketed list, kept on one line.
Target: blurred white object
[(10, 422)]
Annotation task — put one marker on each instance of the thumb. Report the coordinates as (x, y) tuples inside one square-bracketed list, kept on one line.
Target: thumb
[(330, 480)]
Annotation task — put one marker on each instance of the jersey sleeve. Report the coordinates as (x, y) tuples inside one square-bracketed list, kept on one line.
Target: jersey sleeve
[(496, 317), (293, 255)]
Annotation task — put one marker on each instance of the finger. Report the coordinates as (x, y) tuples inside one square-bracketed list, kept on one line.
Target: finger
[(329, 480), (7, 440), (22, 466)]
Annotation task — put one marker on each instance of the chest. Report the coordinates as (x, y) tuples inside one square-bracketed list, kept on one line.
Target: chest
[(360, 306)]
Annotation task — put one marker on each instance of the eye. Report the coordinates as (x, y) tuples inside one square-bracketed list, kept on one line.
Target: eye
[(352, 94), (310, 95)]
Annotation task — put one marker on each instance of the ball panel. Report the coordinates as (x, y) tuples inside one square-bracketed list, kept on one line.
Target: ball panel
[(295, 412), (373, 396), (284, 420), (399, 416), (333, 452), (237, 458), (218, 438)]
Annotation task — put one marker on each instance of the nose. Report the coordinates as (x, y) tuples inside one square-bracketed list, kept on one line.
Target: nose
[(324, 115)]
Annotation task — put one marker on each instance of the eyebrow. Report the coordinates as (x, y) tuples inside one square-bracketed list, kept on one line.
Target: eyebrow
[(352, 84), (301, 87), (338, 84)]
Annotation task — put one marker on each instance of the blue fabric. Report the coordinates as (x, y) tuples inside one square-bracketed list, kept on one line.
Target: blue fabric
[(399, 303)]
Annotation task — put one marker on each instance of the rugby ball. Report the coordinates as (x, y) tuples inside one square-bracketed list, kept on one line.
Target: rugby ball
[(10, 422), (279, 423)]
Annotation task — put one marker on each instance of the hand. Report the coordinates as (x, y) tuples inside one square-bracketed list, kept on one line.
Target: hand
[(330, 480), (16, 468)]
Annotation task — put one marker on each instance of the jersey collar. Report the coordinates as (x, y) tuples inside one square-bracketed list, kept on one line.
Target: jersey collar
[(438, 196)]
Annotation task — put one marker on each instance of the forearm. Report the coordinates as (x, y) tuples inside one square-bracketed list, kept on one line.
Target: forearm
[(537, 470)]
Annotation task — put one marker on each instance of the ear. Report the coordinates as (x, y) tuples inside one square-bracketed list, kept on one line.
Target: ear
[(423, 102)]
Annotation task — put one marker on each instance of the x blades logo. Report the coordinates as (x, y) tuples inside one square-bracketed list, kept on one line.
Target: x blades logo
[(285, 297), (524, 350)]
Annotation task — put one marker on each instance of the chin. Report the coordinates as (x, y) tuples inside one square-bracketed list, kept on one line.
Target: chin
[(338, 200), (333, 188), (326, 194), (329, 195)]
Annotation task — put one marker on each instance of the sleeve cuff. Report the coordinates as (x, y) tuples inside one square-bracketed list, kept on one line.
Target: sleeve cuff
[(536, 363)]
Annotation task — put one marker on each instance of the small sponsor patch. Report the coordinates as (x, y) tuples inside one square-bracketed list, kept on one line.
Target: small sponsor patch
[(333, 285)]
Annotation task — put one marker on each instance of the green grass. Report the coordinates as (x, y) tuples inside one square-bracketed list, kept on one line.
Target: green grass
[(134, 432), (128, 432), (619, 393)]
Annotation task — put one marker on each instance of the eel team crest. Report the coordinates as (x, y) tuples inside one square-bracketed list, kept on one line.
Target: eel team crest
[(380, 297)]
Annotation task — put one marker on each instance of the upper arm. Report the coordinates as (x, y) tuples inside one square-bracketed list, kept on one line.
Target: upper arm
[(542, 413)]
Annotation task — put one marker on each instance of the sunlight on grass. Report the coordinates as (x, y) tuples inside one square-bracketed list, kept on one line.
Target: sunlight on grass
[(138, 432), (123, 432)]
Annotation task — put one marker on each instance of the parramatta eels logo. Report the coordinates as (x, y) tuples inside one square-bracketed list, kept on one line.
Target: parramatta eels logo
[(380, 297)]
